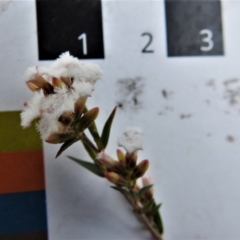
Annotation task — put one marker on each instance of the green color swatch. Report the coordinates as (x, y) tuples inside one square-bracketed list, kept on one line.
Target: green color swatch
[(13, 137)]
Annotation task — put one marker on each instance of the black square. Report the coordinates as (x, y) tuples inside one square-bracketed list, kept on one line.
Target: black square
[(194, 28), (70, 25)]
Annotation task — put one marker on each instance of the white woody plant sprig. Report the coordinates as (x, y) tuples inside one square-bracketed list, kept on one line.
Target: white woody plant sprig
[(60, 93)]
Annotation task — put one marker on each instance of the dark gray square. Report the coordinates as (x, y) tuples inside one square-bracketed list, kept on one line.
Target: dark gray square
[(194, 27), (70, 25)]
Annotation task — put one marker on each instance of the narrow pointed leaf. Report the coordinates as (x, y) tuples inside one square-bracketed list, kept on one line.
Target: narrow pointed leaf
[(147, 206), (158, 206), (144, 190), (66, 145), (122, 190), (157, 218), (94, 132), (90, 151), (89, 166), (107, 128)]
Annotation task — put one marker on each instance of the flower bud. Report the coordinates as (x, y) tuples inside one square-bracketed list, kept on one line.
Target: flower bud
[(146, 181), (138, 185), (56, 82), (66, 80), (79, 106), (106, 160), (40, 83), (109, 162), (59, 137), (131, 160), (66, 118), (121, 156), (33, 87), (89, 118), (140, 169), (115, 178)]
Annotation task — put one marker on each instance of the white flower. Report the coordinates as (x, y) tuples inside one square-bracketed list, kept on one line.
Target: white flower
[(32, 109), (74, 79), (70, 67), (48, 125), (131, 139), (31, 73), (51, 106), (82, 89), (58, 102)]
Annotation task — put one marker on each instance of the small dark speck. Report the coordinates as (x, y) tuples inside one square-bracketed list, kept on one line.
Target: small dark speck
[(131, 87), (227, 112), (209, 135), (208, 101), (230, 138), (230, 81), (135, 101), (211, 83), (164, 93), (168, 108), (120, 105), (184, 116)]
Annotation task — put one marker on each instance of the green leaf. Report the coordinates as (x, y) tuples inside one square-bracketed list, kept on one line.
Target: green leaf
[(66, 145), (107, 128), (89, 166), (90, 151), (147, 206), (122, 190), (157, 218), (94, 132), (144, 190)]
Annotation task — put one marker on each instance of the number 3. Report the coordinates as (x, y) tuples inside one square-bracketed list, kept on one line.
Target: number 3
[(207, 39)]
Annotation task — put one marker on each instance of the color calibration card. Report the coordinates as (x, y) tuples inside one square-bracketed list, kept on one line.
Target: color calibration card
[(172, 68)]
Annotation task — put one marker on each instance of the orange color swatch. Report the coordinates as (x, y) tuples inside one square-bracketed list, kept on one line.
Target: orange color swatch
[(21, 171)]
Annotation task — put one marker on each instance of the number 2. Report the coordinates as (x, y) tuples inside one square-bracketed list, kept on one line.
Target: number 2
[(145, 50), (207, 39)]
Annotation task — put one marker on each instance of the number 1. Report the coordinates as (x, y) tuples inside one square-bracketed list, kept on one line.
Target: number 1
[(83, 37)]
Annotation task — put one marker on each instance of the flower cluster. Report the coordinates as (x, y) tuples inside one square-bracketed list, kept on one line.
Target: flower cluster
[(125, 171), (60, 91), (129, 176)]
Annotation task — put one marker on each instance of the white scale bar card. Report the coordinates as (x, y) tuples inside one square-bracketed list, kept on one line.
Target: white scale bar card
[(173, 70)]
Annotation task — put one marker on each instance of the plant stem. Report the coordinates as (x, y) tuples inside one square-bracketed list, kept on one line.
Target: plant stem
[(134, 202), (143, 217), (153, 231), (89, 143)]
